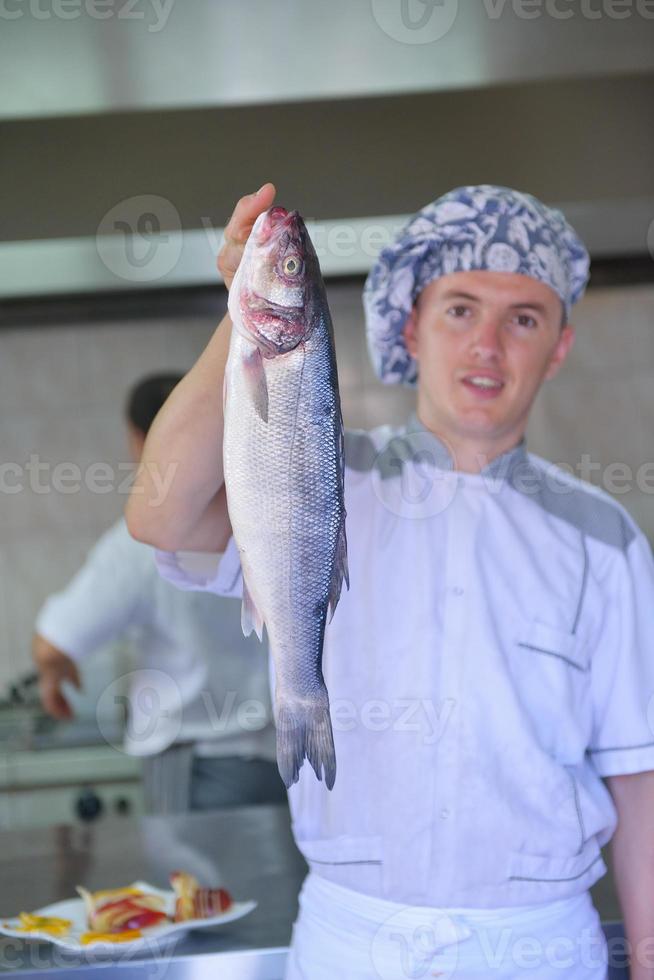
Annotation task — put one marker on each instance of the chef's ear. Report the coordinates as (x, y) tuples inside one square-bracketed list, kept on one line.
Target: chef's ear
[(410, 332), (560, 353)]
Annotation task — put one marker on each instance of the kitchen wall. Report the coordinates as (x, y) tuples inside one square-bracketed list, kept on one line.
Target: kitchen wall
[(61, 398)]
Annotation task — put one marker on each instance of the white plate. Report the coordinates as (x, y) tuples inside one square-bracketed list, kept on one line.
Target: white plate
[(152, 940)]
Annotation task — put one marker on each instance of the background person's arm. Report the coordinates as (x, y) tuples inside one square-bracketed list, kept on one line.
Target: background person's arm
[(632, 850), (109, 593), (178, 500), (54, 666)]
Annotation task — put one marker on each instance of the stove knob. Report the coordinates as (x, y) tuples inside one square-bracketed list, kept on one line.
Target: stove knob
[(88, 805), (122, 805)]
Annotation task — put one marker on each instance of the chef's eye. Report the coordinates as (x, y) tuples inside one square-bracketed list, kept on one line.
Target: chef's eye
[(292, 266), (459, 311), (524, 320)]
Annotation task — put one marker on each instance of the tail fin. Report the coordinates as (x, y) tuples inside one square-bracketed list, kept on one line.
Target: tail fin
[(304, 730)]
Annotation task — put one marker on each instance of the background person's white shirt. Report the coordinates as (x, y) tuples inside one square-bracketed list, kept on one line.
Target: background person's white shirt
[(197, 678), (491, 661)]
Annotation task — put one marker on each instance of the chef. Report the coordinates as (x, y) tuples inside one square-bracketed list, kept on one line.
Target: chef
[(199, 706), (490, 669)]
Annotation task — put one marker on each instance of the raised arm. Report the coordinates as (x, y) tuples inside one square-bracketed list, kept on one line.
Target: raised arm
[(178, 499)]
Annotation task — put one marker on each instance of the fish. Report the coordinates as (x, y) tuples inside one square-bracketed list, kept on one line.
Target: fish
[(284, 475)]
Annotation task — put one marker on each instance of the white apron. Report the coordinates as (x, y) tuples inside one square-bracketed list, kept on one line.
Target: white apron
[(342, 933)]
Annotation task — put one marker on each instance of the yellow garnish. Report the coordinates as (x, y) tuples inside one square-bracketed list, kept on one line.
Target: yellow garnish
[(43, 923), (111, 892), (110, 937)]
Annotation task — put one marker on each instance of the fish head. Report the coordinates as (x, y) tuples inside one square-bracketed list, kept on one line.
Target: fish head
[(274, 283)]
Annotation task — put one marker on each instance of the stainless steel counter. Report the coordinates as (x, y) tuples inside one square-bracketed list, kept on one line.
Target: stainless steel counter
[(250, 850)]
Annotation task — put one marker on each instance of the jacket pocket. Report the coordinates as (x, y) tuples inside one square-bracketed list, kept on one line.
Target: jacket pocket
[(534, 868), (547, 641), (355, 862), (552, 681)]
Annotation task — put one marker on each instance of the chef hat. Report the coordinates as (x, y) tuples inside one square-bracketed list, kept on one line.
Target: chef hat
[(478, 227)]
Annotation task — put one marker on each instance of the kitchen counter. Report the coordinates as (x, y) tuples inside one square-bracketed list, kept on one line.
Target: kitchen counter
[(249, 850)]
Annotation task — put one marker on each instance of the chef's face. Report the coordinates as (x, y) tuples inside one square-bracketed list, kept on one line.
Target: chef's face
[(484, 342)]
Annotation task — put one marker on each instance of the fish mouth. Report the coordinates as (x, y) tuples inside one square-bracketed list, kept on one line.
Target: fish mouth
[(275, 220), (259, 303)]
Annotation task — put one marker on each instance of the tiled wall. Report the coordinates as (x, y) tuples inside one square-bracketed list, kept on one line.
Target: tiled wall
[(61, 400)]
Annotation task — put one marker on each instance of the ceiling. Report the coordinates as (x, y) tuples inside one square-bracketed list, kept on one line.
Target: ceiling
[(63, 57), (157, 117)]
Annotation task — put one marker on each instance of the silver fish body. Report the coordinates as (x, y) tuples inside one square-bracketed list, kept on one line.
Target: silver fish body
[(283, 462)]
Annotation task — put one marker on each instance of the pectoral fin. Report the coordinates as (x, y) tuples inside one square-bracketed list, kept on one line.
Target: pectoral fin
[(251, 618), (255, 377), (340, 570)]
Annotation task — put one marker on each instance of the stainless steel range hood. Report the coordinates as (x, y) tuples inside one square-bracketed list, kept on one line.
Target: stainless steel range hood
[(60, 57), (130, 128)]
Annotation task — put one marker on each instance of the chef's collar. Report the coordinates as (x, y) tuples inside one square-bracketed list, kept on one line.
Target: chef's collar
[(423, 440)]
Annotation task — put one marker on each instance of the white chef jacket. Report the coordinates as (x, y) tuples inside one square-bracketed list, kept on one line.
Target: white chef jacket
[(491, 661), (198, 679)]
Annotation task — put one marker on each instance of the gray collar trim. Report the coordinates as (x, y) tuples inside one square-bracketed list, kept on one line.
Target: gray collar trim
[(421, 439)]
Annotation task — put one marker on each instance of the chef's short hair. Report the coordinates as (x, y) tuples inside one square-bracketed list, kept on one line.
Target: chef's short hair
[(146, 398)]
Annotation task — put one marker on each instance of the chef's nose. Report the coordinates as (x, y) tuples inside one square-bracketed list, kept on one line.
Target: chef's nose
[(487, 338)]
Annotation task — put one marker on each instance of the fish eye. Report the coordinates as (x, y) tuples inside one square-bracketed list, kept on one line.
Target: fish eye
[(292, 265)]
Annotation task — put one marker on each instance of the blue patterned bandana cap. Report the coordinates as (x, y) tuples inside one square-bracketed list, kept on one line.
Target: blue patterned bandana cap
[(478, 227)]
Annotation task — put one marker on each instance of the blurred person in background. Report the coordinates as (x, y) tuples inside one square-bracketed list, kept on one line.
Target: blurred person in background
[(199, 708)]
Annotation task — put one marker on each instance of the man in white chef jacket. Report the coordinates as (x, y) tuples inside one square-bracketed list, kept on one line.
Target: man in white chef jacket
[(490, 669), (199, 706)]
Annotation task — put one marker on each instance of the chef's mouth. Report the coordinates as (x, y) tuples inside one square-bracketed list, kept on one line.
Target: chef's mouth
[(483, 383)]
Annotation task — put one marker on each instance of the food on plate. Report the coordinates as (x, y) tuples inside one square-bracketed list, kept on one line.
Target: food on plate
[(284, 475), (109, 937), (194, 902), (43, 923), (119, 915), (122, 909)]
